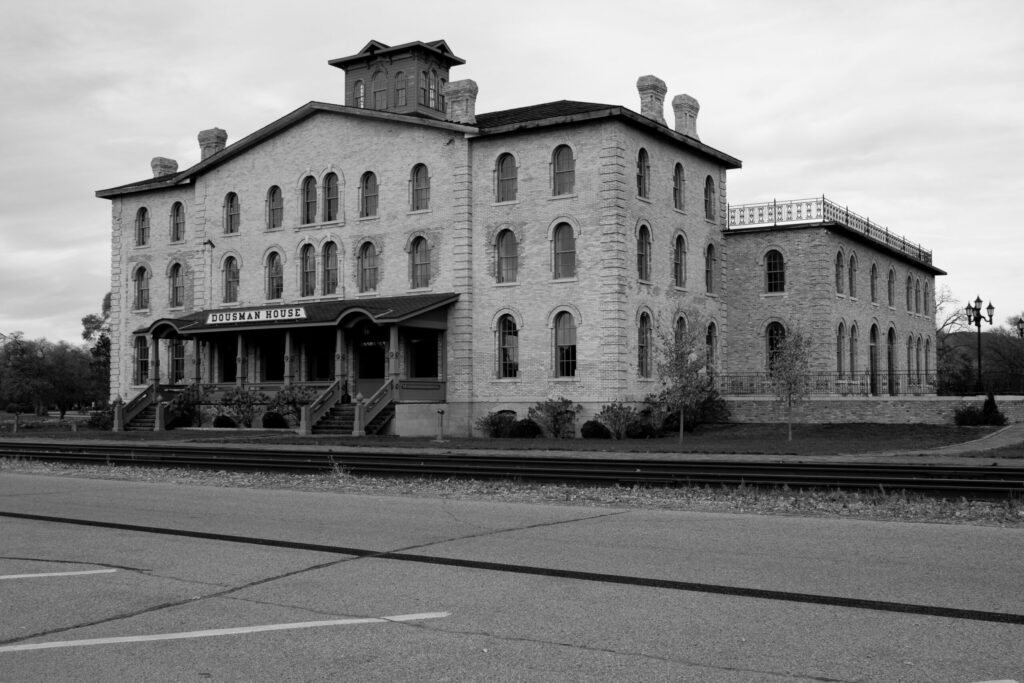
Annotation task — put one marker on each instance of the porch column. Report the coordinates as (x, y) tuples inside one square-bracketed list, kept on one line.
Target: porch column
[(340, 371), (393, 364), (240, 361), (288, 371), (154, 360), (197, 361)]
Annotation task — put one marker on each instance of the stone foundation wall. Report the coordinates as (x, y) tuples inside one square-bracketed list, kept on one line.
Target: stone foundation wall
[(894, 410)]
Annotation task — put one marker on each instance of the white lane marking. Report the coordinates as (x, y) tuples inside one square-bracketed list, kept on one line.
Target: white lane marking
[(222, 631), (41, 576)]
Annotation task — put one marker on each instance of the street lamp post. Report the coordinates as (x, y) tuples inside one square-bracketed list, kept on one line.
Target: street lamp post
[(974, 317), (1020, 326)]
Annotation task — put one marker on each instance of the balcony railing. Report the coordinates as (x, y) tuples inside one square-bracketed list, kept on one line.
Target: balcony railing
[(834, 384), (820, 210)]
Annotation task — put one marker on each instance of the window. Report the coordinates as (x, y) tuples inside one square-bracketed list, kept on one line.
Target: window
[(508, 347), (917, 296), (927, 306), (679, 262), (852, 272), (910, 294), (275, 276), (178, 222), (330, 268), (927, 356), (358, 95), (564, 171), (775, 272), (643, 346), (565, 345), (643, 174), (420, 188), (176, 286), (917, 356), (400, 97), (379, 86), (231, 277), (643, 254), (711, 346), (678, 187), (368, 195), (709, 198), (424, 90), (141, 374), (309, 200), (774, 336), (142, 227), (853, 349), (507, 179), (368, 268), (840, 351), (840, 272), (307, 286), (232, 214), (331, 197), (141, 281), (177, 360), (910, 355), (508, 257), (565, 252), (432, 90), (892, 288), (419, 263), (680, 330), (710, 269), (874, 283), (275, 208)]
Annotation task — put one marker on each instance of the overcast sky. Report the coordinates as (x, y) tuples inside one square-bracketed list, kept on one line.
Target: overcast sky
[(908, 112)]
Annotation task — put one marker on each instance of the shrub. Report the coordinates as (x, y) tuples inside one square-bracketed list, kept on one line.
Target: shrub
[(972, 416), (665, 417), (273, 420), (101, 419), (288, 403), (617, 417), (20, 408), (991, 413), (556, 417), (641, 429), (592, 429), (497, 425), (525, 429), (224, 421), (183, 409), (243, 404)]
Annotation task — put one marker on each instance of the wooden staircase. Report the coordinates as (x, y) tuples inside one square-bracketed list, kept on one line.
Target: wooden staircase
[(144, 421), (339, 420)]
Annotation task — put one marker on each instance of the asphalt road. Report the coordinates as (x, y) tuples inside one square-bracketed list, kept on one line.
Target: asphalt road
[(405, 589)]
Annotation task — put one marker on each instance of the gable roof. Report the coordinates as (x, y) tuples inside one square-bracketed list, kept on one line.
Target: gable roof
[(375, 48)]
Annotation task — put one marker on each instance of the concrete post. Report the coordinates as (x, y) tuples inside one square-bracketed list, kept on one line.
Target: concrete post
[(305, 427), (160, 423), (357, 416), (118, 417)]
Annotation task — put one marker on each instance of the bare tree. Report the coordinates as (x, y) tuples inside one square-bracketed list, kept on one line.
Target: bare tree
[(788, 372), (682, 366)]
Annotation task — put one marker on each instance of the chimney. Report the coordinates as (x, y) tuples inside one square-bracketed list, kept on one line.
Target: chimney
[(461, 99), (163, 166), (652, 98), (686, 109), (211, 141)]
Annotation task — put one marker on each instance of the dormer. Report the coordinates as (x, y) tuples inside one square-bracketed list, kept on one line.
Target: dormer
[(404, 79)]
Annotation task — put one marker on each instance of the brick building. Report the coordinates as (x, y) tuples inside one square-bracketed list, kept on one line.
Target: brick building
[(405, 249)]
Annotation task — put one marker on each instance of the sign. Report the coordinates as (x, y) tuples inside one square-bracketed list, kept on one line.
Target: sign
[(259, 315)]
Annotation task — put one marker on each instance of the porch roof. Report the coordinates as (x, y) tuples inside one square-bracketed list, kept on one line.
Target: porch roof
[(381, 310)]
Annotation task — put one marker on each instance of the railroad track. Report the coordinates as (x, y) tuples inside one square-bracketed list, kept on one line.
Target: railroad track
[(953, 481)]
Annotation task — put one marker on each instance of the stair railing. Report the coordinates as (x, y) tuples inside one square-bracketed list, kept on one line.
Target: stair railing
[(134, 407), (314, 412), (376, 403)]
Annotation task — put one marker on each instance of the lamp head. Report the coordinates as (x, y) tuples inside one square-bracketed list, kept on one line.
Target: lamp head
[(990, 310)]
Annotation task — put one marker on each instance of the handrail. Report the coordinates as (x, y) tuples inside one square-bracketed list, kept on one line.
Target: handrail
[(376, 403), (142, 400), (324, 402)]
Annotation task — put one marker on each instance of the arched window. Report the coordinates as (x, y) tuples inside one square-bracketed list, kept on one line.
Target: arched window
[(643, 174), (424, 89), (508, 347), (710, 269), (840, 348), (142, 227), (330, 268), (358, 95), (774, 336), (178, 222), (231, 277), (232, 214), (507, 179), (892, 288), (643, 345), (309, 200), (680, 330), (774, 271), (368, 195), (400, 97), (840, 272), (176, 286), (420, 188), (508, 257), (874, 283), (565, 252), (565, 345), (368, 267), (910, 356), (917, 296), (564, 170), (307, 259), (678, 187), (432, 90), (419, 263), (928, 356), (853, 349), (910, 294), (643, 253), (709, 198), (711, 347), (927, 300), (141, 282), (275, 208), (331, 197), (852, 272), (141, 373), (177, 352), (679, 262), (379, 86), (275, 276)]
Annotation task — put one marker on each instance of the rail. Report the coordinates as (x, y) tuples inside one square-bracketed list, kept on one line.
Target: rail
[(142, 400), (325, 401), (820, 210), (376, 403), (835, 383)]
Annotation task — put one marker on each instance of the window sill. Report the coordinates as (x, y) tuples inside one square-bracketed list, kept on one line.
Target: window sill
[(575, 378), (646, 282), (679, 288), (646, 200), (140, 311), (774, 295), (231, 234), (508, 380), (140, 246), (175, 243), (514, 283), (420, 290), (368, 218), (559, 197), (508, 203), (176, 308), (367, 295), (416, 212), (563, 280), (682, 212)]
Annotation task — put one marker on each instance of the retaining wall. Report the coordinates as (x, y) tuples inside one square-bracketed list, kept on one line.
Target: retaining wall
[(877, 409)]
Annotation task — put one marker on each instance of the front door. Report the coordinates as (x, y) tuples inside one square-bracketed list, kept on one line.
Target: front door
[(370, 344)]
